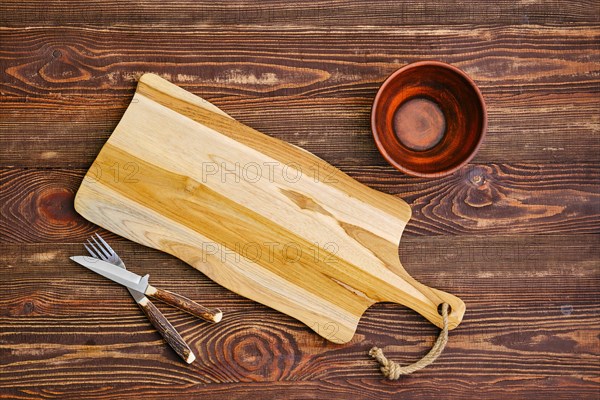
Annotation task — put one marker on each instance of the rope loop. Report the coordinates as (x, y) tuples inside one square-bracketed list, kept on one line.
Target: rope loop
[(392, 370)]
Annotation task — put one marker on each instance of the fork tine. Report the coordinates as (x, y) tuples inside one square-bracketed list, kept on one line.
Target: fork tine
[(92, 253), (106, 246), (104, 251), (99, 254)]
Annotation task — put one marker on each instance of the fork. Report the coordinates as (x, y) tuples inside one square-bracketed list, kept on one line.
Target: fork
[(102, 250)]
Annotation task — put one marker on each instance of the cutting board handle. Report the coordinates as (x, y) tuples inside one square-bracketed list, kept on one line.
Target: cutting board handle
[(425, 300), (456, 309)]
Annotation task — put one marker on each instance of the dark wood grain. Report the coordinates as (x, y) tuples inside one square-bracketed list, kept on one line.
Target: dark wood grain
[(309, 86), (515, 234), (541, 333), (37, 204), (321, 13)]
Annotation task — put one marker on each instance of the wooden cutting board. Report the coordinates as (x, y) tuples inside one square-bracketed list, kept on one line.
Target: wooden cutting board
[(263, 218)]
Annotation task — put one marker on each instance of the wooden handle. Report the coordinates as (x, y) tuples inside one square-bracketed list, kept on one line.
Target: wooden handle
[(185, 304), (167, 331), (431, 310), (424, 299)]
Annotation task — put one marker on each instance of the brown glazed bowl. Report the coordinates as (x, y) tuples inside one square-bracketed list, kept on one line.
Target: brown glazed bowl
[(428, 119)]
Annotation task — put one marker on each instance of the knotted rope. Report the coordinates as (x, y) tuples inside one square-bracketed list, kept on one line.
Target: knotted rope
[(393, 371)]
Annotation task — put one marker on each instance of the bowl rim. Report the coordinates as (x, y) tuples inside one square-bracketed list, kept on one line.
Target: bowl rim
[(376, 134)]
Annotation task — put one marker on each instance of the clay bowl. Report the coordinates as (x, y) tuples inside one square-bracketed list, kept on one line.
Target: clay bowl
[(428, 119)]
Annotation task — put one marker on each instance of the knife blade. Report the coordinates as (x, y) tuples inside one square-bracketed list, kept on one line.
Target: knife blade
[(114, 273), (115, 260), (140, 284)]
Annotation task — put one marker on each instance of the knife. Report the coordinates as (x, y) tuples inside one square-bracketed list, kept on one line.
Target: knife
[(140, 284)]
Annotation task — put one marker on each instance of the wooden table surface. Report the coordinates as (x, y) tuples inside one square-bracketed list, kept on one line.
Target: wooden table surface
[(515, 234)]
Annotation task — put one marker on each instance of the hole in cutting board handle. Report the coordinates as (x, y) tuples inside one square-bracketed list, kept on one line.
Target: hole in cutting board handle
[(439, 309)]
